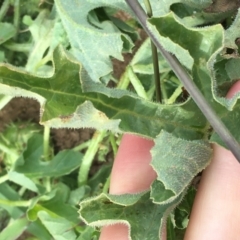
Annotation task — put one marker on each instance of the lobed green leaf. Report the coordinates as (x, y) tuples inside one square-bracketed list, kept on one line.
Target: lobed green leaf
[(66, 105)]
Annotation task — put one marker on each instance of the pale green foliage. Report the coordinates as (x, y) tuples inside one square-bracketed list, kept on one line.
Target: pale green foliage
[(177, 161), (71, 95), (98, 41), (7, 31), (116, 110)]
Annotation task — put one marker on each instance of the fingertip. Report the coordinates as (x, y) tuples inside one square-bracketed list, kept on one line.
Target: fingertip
[(216, 212), (131, 171), (234, 89), (116, 232)]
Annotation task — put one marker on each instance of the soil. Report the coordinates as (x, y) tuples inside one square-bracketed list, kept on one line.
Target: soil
[(23, 109)]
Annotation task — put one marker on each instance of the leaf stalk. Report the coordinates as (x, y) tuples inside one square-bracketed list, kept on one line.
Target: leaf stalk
[(154, 58), (89, 157), (4, 9)]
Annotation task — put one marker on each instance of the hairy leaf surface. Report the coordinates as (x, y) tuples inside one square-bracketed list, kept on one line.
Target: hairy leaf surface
[(177, 161), (92, 45), (143, 218), (69, 106), (199, 59)]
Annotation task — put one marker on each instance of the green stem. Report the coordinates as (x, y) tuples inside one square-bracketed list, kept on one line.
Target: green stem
[(18, 47), (15, 203), (47, 183), (106, 185), (136, 83), (16, 18), (89, 157), (4, 9), (82, 146), (124, 81), (148, 7), (4, 178), (156, 72), (113, 143), (46, 137), (9, 151), (163, 89), (21, 191), (154, 58), (46, 151), (175, 95)]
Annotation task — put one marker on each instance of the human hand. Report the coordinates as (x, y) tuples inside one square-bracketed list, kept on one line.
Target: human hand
[(216, 210)]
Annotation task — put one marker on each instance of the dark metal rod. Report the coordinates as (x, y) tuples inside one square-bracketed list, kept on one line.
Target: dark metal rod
[(188, 83)]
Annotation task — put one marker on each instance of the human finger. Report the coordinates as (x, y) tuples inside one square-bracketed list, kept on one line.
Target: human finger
[(131, 173), (216, 209)]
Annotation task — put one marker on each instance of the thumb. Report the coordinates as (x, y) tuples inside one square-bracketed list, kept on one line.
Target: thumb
[(216, 210)]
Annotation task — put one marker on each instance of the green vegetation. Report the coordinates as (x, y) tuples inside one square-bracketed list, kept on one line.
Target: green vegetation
[(60, 53)]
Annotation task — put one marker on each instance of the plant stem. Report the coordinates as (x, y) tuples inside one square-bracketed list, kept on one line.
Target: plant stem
[(4, 9), (15, 203), (89, 157), (163, 89), (113, 143), (16, 18), (175, 95), (124, 81), (18, 47), (46, 151), (22, 191), (4, 178), (47, 183), (148, 7), (136, 83), (189, 84), (156, 72), (9, 151), (154, 58), (46, 137), (82, 146), (106, 185)]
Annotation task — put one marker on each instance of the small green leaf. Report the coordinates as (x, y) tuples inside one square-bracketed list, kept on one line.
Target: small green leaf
[(86, 39), (14, 229), (37, 229), (55, 204), (183, 210), (6, 193), (23, 181), (88, 233), (59, 228), (32, 166), (7, 31)]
